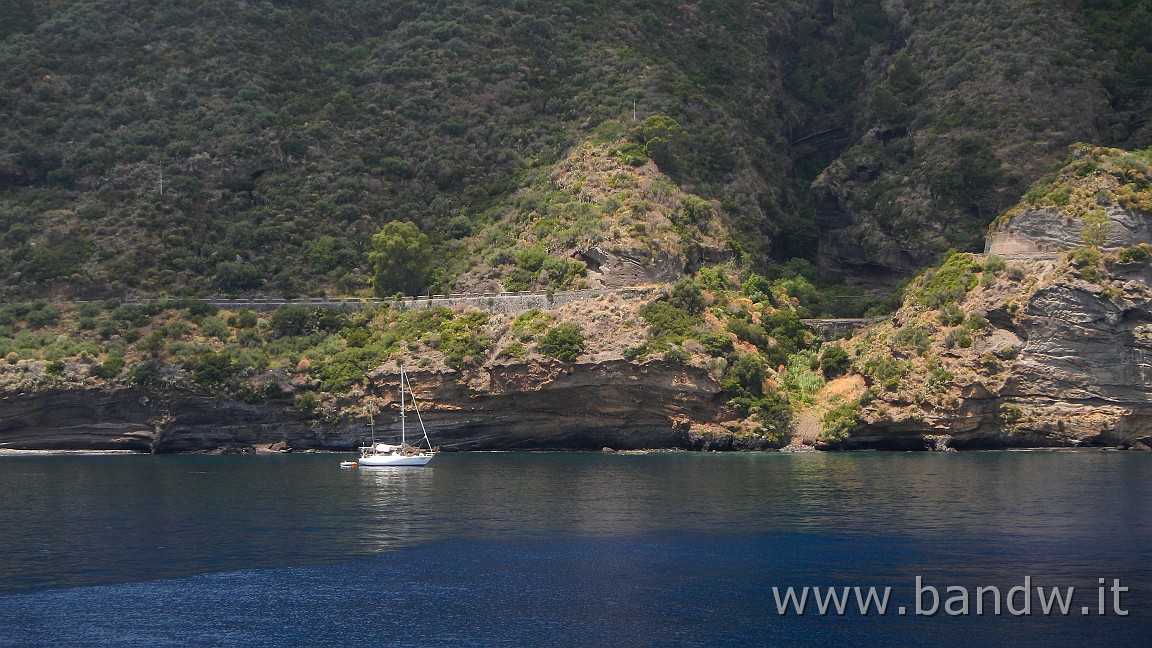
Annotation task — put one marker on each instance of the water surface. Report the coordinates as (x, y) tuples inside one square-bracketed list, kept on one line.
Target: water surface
[(563, 549)]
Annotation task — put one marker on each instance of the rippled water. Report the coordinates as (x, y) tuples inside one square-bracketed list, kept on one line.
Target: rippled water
[(563, 549)]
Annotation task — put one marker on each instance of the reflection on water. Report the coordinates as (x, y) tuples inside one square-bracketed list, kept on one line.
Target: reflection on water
[(396, 503), (73, 520)]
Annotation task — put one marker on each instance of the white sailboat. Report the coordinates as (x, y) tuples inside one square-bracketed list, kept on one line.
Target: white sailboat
[(385, 454)]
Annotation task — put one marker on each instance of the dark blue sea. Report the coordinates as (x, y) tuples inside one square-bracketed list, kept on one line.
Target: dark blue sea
[(582, 549)]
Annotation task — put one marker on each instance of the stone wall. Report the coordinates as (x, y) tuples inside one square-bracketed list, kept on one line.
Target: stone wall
[(1012, 245), (508, 303)]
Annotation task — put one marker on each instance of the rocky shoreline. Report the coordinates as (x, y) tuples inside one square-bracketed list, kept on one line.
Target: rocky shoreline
[(573, 418)]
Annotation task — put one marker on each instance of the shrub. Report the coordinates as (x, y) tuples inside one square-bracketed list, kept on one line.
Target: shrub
[(717, 344), (916, 337), (215, 370), (531, 259), (513, 350), (634, 353), (774, 414), (801, 378), (1134, 254), (834, 360), (198, 308), (530, 323), (715, 278), (667, 322), (242, 320), (42, 316), (302, 320), (951, 315), (756, 287), (678, 355), (347, 368), (950, 282), (145, 374), (307, 402), (957, 337), (1087, 260), (110, 368), (886, 371), (688, 297), (744, 378), (938, 374), (518, 279), (564, 342), (840, 421), (463, 341)]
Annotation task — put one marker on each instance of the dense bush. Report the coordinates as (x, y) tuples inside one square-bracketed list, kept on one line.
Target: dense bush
[(667, 322), (564, 342), (744, 378), (840, 421), (834, 360), (950, 282), (303, 320)]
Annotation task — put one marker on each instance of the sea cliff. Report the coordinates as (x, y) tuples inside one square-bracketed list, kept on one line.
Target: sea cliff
[(528, 406), (1044, 341)]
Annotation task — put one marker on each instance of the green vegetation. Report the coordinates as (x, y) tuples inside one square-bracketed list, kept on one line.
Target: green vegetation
[(265, 146), (948, 283), (289, 148), (840, 421), (834, 360), (401, 259), (564, 342), (886, 371), (801, 379), (1087, 261)]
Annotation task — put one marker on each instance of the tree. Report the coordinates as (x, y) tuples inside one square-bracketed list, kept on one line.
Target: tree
[(745, 378), (1094, 228), (400, 259), (687, 295), (663, 138)]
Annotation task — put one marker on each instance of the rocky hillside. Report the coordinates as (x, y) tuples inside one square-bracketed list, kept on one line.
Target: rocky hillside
[(189, 148), (1049, 345), (679, 367)]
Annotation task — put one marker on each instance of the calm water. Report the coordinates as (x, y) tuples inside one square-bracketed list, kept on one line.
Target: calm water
[(567, 549)]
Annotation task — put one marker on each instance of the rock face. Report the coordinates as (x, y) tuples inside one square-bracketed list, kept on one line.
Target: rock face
[(1052, 349), (1065, 362), (527, 406), (1046, 230)]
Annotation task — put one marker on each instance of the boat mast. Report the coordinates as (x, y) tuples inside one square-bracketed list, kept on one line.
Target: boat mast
[(401, 407), (416, 408)]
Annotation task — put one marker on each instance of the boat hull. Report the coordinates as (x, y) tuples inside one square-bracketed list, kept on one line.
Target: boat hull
[(395, 460)]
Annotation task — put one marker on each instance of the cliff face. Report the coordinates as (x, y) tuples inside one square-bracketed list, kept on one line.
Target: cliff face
[(523, 406), (1044, 341), (1069, 364)]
